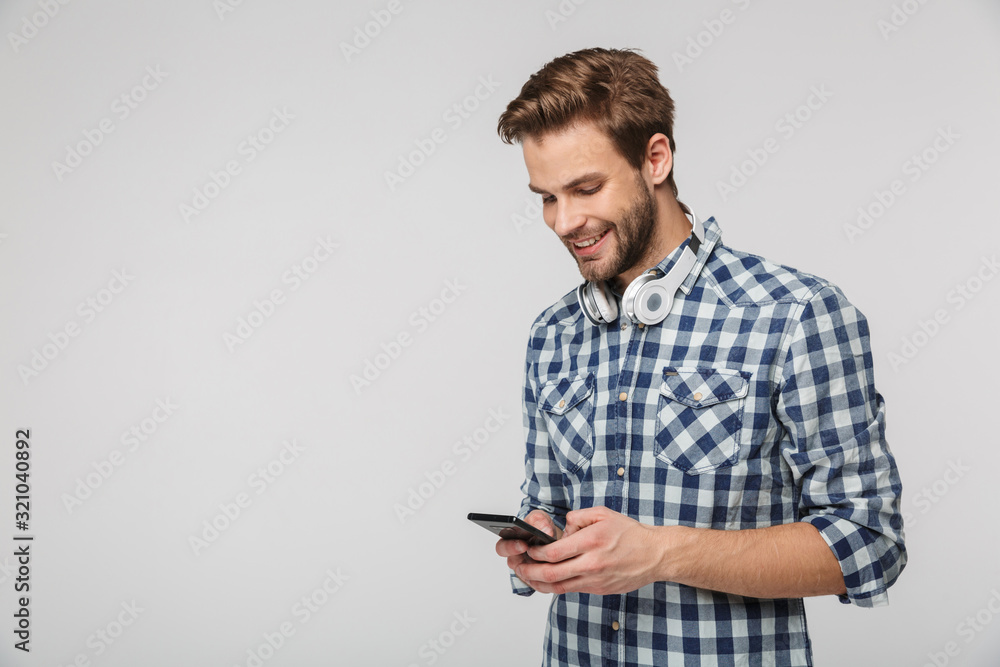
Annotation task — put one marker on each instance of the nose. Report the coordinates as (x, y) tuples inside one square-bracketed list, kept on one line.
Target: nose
[(566, 218)]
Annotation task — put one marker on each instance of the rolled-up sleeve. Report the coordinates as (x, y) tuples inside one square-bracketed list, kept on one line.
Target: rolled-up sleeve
[(846, 479), (544, 487)]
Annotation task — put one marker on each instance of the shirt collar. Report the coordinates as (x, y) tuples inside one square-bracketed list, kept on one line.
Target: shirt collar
[(713, 234)]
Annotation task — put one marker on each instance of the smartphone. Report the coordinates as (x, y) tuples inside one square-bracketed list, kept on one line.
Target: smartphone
[(511, 528)]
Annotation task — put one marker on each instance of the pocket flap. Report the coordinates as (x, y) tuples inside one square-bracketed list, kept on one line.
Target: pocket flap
[(561, 394), (701, 387)]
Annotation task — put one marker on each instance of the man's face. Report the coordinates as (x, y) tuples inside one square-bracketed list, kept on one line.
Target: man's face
[(589, 191)]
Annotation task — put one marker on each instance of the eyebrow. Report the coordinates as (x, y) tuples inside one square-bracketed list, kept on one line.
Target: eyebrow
[(590, 176)]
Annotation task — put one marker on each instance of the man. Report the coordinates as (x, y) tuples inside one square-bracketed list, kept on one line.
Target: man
[(704, 435)]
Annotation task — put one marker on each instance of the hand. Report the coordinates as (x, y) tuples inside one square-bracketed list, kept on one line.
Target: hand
[(601, 552), (515, 550)]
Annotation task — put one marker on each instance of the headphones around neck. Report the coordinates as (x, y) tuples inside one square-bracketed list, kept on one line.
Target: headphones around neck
[(648, 298)]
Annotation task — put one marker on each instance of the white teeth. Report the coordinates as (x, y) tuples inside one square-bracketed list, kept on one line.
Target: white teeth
[(591, 242)]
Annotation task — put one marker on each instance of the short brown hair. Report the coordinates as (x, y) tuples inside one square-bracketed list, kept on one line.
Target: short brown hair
[(617, 89)]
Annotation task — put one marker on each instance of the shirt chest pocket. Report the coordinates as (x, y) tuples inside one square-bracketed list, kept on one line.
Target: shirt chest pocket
[(699, 417), (568, 406)]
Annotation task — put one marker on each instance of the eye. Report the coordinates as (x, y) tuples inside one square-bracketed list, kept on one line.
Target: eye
[(591, 191), (548, 199)]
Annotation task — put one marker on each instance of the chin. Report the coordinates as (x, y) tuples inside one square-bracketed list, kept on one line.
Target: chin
[(593, 272)]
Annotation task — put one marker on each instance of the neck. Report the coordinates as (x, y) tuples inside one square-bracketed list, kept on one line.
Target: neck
[(672, 228)]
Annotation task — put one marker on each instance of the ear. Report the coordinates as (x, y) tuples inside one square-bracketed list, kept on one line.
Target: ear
[(659, 158)]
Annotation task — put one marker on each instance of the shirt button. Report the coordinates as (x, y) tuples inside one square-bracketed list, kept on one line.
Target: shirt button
[(614, 625), (697, 396), (563, 403), (622, 396), (641, 325), (624, 326), (621, 472)]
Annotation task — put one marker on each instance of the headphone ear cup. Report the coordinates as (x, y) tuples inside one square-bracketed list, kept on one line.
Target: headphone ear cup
[(605, 299), (633, 292), (652, 302), (597, 302)]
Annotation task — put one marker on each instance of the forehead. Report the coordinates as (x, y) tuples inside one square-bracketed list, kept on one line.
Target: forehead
[(557, 157)]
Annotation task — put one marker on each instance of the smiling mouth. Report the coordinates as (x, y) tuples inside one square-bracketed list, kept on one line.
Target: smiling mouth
[(591, 241)]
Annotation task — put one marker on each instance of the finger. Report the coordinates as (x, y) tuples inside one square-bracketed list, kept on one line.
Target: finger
[(574, 585), (511, 547), (547, 573), (545, 523), (541, 520), (560, 550), (513, 562), (582, 518), (517, 559)]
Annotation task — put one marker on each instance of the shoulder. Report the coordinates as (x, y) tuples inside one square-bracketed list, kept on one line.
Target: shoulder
[(816, 315), (564, 312), (746, 279)]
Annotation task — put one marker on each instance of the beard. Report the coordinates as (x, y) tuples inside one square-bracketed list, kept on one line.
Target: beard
[(634, 234)]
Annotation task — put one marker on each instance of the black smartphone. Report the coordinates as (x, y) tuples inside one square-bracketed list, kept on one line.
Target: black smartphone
[(511, 528)]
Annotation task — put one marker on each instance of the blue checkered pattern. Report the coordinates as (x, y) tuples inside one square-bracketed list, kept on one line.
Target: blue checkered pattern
[(753, 404)]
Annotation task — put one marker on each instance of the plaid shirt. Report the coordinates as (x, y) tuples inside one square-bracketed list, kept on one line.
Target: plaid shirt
[(752, 404)]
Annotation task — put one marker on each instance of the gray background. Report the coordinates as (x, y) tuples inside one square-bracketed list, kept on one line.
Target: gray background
[(333, 507)]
